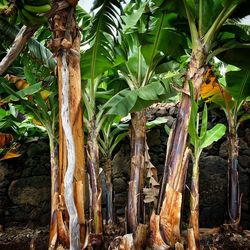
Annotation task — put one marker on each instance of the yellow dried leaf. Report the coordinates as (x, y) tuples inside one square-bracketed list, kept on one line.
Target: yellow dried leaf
[(45, 94), (10, 154)]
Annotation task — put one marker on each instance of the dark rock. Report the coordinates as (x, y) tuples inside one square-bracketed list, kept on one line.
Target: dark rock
[(32, 190), (170, 121), (246, 152), (120, 211), (157, 150), (16, 213), (5, 171), (3, 184), (154, 159), (121, 162), (245, 220), (173, 111), (223, 152), (154, 138), (244, 161), (247, 136), (120, 185), (35, 149), (213, 191), (120, 199), (161, 112)]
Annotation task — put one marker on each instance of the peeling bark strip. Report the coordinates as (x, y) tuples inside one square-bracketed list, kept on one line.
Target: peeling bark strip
[(24, 34), (71, 225), (169, 206), (69, 176), (96, 206)]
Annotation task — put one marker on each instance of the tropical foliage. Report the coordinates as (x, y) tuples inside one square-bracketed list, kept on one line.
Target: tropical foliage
[(90, 72)]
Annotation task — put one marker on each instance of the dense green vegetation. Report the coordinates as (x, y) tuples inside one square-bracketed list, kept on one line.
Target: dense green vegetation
[(75, 75)]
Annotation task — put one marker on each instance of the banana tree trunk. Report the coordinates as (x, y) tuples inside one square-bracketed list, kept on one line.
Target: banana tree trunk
[(233, 178), (71, 225), (193, 230), (109, 185), (170, 198), (96, 206), (138, 133)]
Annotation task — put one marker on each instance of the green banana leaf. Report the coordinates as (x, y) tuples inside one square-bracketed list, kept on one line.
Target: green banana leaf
[(212, 135), (99, 57), (238, 84), (127, 101)]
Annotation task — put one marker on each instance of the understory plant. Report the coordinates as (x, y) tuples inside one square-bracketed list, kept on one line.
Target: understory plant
[(200, 138), (230, 93)]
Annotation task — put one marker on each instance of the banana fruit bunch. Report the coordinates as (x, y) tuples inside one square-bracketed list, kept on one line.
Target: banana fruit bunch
[(31, 12)]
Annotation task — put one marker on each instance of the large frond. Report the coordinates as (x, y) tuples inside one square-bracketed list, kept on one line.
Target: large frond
[(102, 32)]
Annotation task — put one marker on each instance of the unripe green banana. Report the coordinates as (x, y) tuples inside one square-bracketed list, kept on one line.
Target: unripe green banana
[(37, 9), (37, 2), (33, 19), (23, 19)]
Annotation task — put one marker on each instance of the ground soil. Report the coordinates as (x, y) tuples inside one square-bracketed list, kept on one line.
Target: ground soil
[(17, 238)]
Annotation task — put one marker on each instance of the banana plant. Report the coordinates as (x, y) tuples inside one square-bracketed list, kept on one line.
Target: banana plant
[(200, 138), (111, 134), (44, 109), (205, 21), (66, 47), (230, 95), (95, 61), (143, 63)]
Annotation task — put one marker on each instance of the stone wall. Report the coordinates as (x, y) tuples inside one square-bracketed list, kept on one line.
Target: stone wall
[(25, 181), (213, 171), (25, 187)]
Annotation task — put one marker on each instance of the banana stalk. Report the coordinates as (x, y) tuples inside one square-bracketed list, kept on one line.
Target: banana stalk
[(93, 161), (193, 236), (71, 136), (169, 204), (138, 133), (109, 186), (233, 178)]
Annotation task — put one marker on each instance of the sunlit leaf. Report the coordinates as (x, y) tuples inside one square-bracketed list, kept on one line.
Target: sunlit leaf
[(213, 135)]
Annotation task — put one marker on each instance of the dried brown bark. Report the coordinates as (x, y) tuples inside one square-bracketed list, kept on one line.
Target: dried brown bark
[(138, 123), (95, 182), (170, 201), (24, 34), (66, 47)]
